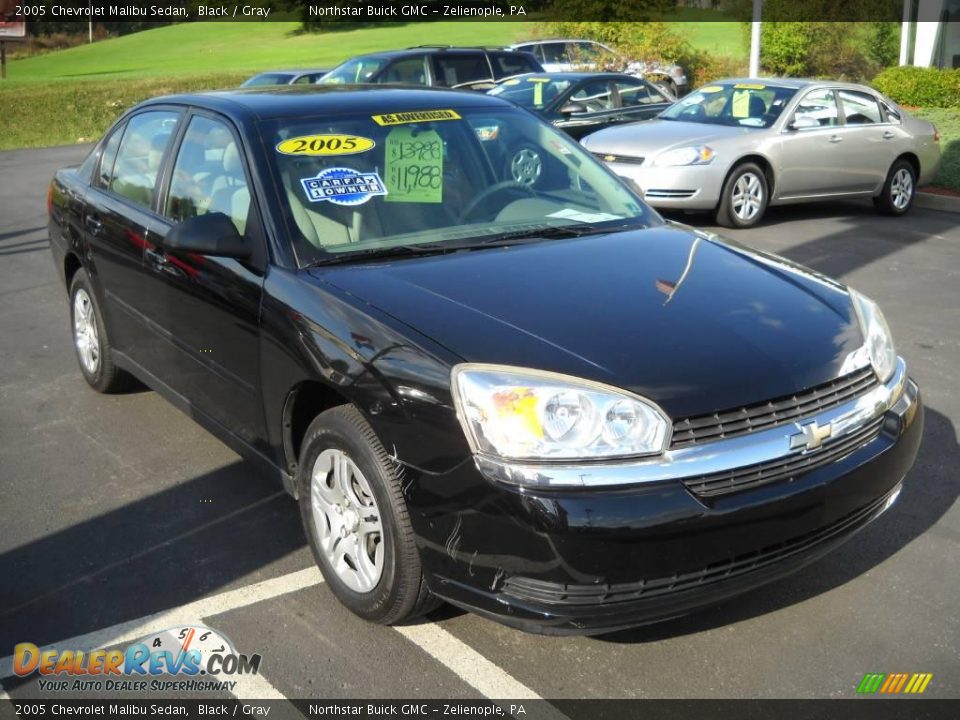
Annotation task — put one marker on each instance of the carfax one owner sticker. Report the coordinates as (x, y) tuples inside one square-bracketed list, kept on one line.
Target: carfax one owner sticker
[(343, 186), (183, 655)]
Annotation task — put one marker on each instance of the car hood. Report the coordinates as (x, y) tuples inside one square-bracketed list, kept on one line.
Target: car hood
[(655, 136), (692, 322)]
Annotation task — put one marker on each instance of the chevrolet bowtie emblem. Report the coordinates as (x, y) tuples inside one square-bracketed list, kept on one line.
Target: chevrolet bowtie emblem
[(811, 436), (609, 158)]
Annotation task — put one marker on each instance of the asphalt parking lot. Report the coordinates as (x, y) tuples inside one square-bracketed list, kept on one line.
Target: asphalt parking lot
[(119, 515)]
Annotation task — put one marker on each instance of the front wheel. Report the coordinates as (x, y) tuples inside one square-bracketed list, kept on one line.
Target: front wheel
[(744, 197), (896, 198), (356, 520)]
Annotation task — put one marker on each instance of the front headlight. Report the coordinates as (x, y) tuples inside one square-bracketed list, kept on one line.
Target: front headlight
[(693, 155), (876, 334), (521, 414)]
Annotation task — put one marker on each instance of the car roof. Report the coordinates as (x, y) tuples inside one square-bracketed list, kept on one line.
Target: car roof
[(421, 49), (261, 103), (576, 76), (795, 83), (541, 41), (291, 71)]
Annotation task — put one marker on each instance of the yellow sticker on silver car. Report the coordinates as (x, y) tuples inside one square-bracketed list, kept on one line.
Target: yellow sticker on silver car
[(325, 145), (414, 116)]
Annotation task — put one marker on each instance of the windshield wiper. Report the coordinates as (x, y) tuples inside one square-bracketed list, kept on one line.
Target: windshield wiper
[(548, 232)]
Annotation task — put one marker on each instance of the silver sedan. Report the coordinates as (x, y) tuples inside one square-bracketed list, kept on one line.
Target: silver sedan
[(736, 146)]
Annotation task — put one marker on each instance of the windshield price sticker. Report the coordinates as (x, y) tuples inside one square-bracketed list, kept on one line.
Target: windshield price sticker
[(325, 145), (405, 118), (414, 166), (343, 186)]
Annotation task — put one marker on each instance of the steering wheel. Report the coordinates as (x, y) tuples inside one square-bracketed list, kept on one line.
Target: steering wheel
[(491, 191)]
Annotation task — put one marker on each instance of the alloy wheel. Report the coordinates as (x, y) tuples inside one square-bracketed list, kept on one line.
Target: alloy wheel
[(901, 189), (747, 197), (347, 520), (526, 166), (85, 334)]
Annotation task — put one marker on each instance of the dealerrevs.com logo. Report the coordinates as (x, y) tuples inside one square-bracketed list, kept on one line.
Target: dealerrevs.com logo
[(182, 655)]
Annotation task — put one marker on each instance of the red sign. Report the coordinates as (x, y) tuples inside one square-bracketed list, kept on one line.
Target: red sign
[(10, 29)]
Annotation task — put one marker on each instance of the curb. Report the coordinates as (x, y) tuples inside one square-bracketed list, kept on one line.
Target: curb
[(931, 201)]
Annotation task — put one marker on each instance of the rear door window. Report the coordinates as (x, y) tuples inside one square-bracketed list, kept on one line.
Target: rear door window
[(555, 52), (508, 64), (819, 105), (109, 157), (638, 92), (462, 68), (594, 96), (859, 108), (408, 71), (141, 154)]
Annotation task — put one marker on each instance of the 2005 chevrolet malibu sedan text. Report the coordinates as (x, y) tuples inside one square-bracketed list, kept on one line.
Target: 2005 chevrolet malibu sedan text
[(537, 401)]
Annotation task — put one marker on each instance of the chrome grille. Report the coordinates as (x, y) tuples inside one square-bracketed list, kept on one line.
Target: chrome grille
[(741, 421), (786, 468), (625, 159)]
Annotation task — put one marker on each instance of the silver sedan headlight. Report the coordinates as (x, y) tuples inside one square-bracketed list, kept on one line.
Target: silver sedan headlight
[(520, 414), (693, 155), (876, 334)]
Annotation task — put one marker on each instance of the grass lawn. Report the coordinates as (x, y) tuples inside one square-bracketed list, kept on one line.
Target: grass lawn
[(948, 123)]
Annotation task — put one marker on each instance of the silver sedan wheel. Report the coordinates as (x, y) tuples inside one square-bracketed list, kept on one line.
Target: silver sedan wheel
[(347, 520), (526, 166), (747, 197), (85, 335), (901, 189)]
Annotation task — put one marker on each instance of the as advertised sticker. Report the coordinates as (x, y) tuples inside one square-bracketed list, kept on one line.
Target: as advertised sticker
[(711, 89), (415, 116), (325, 145), (343, 186)]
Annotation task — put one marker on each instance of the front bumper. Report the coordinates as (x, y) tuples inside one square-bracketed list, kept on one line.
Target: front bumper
[(689, 187), (582, 561)]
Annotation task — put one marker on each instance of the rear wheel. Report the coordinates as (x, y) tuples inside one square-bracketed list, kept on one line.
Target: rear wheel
[(896, 198), (356, 520), (91, 340), (744, 197)]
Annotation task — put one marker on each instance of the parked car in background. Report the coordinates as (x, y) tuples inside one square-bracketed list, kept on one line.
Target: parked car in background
[(573, 54), (436, 66), (578, 103), (737, 146), (285, 77), (542, 403)]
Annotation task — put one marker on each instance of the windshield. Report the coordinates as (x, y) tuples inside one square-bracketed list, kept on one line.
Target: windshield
[(747, 104), (436, 179), (531, 92), (358, 70), (268, 79)]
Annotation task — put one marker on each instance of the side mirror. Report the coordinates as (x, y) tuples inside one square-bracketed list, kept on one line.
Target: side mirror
[(572, 108), (803, 122), (209, 234)]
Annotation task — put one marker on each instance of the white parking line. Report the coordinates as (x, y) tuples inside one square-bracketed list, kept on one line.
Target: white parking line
[(470, 666)]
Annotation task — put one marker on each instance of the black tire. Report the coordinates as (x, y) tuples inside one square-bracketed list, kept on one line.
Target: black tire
[(727, 215), (104, 377), (401, 593), (890, 201)]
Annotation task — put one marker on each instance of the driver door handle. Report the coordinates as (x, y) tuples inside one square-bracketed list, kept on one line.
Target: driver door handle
[(836, 139), (157, 258), (889, 135)]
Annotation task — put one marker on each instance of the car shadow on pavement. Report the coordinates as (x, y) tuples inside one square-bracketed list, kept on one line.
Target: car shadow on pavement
[(155, 553), (930, 490)]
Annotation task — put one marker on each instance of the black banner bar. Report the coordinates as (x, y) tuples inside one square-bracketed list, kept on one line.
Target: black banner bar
[(363, 11), (854, 709)]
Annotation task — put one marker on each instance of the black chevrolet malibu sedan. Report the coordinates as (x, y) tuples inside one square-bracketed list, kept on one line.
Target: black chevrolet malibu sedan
[(538, 401)]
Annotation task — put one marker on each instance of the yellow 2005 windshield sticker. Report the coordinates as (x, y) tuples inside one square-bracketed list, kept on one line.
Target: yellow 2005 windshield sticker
[(711, 89), (749, 86), (325, 145), (414, 166), (415, 116)]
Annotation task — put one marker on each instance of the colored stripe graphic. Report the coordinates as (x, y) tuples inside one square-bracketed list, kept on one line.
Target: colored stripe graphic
[(894, 683)]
